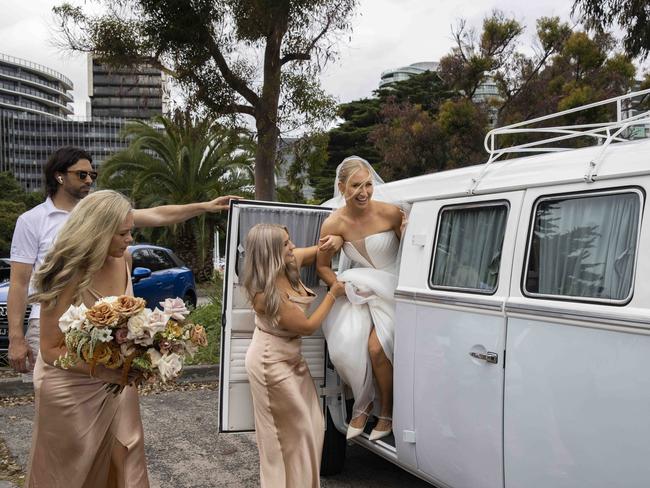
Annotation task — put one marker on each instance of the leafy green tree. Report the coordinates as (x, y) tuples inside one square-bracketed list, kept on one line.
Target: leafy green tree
[(13, 202), (475, 57), (302, 158), (348, 138), (257, 58), (409, 141), (181, 160), (631, 16)]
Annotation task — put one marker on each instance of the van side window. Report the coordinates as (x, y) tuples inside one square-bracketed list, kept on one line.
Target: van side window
[(467, 254), (584, 246)]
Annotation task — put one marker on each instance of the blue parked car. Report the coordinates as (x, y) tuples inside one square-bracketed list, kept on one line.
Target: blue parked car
[(158, 274)]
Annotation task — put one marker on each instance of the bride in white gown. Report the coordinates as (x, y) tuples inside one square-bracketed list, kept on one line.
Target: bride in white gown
[(360, 330)]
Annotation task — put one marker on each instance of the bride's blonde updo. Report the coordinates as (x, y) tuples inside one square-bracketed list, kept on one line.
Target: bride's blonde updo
[(81, 246), (349, 167)]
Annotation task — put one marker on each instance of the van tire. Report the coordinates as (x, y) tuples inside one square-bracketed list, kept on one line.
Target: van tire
[(334, 445)]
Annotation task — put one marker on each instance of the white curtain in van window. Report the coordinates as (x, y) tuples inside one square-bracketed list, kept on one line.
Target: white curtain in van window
[(468, 249), (586, 246)]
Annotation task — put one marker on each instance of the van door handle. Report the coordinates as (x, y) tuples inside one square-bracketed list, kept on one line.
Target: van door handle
[(488, 357)]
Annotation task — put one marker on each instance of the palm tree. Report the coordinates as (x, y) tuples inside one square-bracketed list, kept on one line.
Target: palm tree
[(176, 160)]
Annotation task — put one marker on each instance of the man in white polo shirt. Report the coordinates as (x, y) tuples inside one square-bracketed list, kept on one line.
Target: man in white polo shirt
[(69, 176)]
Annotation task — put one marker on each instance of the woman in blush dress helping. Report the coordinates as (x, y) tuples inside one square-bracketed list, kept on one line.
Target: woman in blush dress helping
[(360, 330), (85, 436), (288, 416)]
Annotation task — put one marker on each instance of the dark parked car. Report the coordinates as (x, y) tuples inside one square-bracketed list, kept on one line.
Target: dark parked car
[(4, 323), (158, 274)]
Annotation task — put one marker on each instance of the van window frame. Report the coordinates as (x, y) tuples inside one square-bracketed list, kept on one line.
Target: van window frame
[(501, 202), (640, 192)]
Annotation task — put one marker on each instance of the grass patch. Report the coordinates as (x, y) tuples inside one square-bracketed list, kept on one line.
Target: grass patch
[(209, 316)]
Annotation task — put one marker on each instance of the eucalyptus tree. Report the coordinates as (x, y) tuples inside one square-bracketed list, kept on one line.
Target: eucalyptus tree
[(255, 58)]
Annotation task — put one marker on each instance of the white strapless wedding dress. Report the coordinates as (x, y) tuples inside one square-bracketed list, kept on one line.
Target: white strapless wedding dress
[(370, 285)]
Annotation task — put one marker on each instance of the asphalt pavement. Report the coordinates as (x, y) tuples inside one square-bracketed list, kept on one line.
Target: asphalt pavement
[(184, 449)]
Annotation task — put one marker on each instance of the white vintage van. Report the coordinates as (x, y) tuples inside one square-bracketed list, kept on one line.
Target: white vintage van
[(522, 342)]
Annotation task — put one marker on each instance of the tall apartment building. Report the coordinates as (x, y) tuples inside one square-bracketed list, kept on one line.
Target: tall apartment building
[(27, 141), (36, 113), (125, 92), (31, 88)]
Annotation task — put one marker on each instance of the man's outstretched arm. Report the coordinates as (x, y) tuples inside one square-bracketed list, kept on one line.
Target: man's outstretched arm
[(174, 214)]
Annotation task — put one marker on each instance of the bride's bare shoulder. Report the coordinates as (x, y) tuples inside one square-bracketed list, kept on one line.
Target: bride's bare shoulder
[(388, 209), (333, 223)]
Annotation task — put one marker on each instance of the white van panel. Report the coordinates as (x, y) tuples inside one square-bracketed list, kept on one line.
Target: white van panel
[(577, 396), (458, 399), (403, 370), (577, 402)]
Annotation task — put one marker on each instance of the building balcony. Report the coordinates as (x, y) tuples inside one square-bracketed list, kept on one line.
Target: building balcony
[(39, 69)]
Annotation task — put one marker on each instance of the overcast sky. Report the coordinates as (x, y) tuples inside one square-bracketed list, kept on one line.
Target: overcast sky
[(387, 34)]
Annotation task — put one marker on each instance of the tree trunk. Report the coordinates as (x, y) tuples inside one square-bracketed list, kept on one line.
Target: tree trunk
[(266, 115), (185, 248), (267, 146)]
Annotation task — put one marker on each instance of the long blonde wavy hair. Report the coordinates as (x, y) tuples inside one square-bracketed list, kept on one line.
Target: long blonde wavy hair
[(82, 244), (264, 265)]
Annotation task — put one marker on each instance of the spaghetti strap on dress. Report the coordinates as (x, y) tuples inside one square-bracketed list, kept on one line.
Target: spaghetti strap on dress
[(77, 426)]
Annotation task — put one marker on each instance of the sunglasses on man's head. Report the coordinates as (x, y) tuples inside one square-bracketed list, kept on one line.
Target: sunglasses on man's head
[(85, 174)]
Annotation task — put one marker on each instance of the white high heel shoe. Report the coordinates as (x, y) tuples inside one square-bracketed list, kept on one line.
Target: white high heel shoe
[(378, 434), (357, 431)]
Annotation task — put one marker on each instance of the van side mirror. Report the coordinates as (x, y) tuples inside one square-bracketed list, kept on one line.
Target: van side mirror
[(140, 274)]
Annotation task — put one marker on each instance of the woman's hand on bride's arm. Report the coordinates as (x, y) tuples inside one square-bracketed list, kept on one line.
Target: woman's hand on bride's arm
[(337, 289), (331, 243)]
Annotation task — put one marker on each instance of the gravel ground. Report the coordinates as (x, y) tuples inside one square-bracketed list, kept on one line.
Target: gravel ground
[(184, 449)]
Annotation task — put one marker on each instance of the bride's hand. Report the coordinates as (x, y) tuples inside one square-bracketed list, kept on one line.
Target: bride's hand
[(405, 221), (337, 289), (331, 243)]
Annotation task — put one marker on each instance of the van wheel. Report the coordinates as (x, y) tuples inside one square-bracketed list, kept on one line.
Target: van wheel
[(334, 446)]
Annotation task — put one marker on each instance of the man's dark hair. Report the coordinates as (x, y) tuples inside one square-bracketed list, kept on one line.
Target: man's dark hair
[(59, 162)]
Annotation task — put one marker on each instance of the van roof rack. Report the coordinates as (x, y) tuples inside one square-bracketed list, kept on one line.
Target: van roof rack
[(603, 134)]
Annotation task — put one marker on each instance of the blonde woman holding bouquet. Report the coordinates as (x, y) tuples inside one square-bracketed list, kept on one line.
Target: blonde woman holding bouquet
[(85, 436), (288, 417)]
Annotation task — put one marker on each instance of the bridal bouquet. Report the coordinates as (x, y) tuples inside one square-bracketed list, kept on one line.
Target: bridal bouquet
[(120, 332)]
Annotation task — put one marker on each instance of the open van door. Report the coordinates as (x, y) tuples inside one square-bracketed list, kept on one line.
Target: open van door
[(237, 322)]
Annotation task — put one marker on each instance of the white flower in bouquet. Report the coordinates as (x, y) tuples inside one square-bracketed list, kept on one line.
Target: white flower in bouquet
[(73, 318), (157, 322), (169, 366), (137, 326), (175, 308), (101, 335), (108, 300), (154, 356)]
